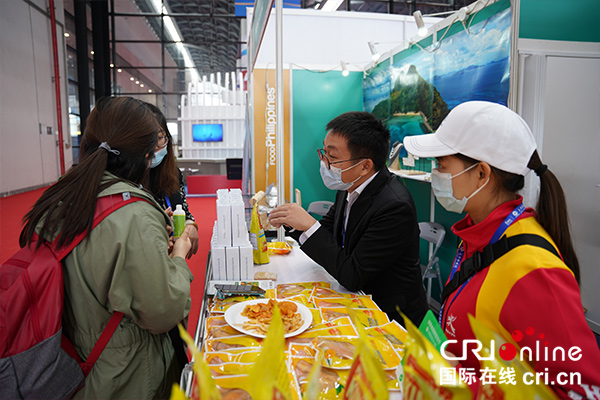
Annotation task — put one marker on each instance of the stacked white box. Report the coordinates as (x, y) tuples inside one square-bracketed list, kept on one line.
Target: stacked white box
[(232, 257), (223, 218), (246, 261), (218, 257)]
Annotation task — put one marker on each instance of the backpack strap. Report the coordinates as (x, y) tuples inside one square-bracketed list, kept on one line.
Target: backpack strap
[(105, 205), (107, 333), (490, 253)]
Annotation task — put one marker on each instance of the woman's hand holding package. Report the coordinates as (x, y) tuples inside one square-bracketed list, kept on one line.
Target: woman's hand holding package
[(194, 239)]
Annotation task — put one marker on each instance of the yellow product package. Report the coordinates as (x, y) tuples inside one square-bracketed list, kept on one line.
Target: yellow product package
[(234, 387), (232, 342), (214, 332), (366, 380), (301, 350), (385, 352), (355, 302), (207, 390), (325, 292), (302, 299), (364, 317), (260, 252), (269, 375), (317, 382), (232, 368), (504, 377), (393, 332), (292, 289), (338, 352), (344, 330), (232, 356), (427, 375), (333, 323)]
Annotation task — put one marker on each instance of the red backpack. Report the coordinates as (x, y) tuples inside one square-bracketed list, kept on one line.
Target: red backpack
[(36, 359)]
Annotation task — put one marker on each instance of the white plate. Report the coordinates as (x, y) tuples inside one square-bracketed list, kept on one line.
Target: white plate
[(234, 318)]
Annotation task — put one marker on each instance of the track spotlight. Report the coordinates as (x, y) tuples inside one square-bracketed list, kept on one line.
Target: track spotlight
[(420, 23), (345, 71)]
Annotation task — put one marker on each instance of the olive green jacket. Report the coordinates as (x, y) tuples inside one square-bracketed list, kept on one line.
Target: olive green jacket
[(125, 266)]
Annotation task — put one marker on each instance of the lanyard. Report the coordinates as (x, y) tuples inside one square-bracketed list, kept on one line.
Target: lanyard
[(460, 253)]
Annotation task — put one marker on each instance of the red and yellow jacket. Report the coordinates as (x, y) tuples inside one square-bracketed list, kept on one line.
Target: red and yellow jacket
[(531, 298)]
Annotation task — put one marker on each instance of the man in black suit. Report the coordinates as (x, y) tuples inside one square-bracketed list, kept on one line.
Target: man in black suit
[(369, 239)]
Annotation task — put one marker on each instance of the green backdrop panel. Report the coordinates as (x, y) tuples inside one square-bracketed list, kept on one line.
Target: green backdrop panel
[(560, 20), (317, 98)]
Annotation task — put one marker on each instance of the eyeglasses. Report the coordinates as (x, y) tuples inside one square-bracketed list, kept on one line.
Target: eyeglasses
[(323, 157), (163, 139)]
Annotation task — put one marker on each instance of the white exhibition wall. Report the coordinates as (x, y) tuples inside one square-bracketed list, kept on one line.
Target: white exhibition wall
[(29, 153)]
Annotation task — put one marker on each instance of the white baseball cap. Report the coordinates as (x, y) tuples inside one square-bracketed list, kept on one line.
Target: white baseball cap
[(483, 131)]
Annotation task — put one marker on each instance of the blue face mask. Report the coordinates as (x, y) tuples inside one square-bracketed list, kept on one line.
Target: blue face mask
[(158, 157)]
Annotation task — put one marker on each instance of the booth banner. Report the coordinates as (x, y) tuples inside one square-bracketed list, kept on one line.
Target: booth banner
[(265, 128), (417, 91)]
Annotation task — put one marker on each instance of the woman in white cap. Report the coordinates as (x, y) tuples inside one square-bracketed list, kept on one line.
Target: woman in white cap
[(515, 269)]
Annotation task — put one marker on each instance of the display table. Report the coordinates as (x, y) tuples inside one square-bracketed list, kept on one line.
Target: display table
[(293, 267)]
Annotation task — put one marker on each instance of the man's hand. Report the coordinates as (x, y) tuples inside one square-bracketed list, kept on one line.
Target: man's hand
[(292, 215)]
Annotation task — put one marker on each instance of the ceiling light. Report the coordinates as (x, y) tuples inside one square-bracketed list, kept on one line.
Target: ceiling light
[(67, 34), (92, 52), (119, 70), (132, 79), (112, 65), (420, 23), (331, 5), (374, 53), (142, 85), (137, 82), (345, 71), (149, 90)]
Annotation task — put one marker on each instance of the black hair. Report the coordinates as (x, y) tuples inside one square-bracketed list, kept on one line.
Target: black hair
[(366, 135)]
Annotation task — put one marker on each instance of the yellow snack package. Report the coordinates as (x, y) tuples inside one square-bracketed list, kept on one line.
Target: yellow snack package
[(427, 375), (232, 356), (317, 317), (269, 374), (366, 380), (292, 289), (364, 317), (177, 393), (232, 342), (393, 332), (233, 368), (385, 352), (504, 377), (279, 247), (203, 386), (338, 352), (234, 387), (333, 323), (270, 294), (325, 292), (317, 382), (214, 332), (344, 330), (260, 253), (301, 350), (354, 302), (302, 299)]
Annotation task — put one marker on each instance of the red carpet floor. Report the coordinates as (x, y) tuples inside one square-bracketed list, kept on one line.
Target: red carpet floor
[(13, 208)]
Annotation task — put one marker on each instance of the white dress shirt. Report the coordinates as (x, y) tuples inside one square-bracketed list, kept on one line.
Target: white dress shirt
[(350, 199)]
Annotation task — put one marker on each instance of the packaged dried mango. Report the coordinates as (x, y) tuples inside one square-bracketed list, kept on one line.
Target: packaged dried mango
[(271, 294), (232, 356), (269, 374), (220, 306), (427, 375), (386, 353), (355, 302), (207, 390), (292, 289), (364, 317), (393, 332), (333, 323), (328, 383), (302, 299), (506, 379), (344, 330), (214, 332), (260, 252), (232, 368), (366, 380), (237, 387), (301, 350), (338, 352), (317, 317), (232, 342), (218, 320), (325, 292)]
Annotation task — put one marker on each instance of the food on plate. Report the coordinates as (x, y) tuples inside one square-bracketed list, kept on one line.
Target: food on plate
[(260, 314)]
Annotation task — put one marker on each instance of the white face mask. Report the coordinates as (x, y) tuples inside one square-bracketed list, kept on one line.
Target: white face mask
[(332, 176), (441, 184), (158, 157)]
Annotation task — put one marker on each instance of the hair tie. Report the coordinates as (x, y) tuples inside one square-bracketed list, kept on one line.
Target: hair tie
[(540, 170), (106, 147)]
